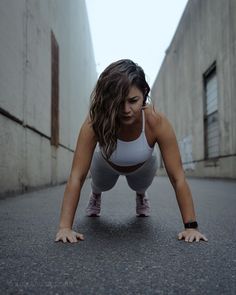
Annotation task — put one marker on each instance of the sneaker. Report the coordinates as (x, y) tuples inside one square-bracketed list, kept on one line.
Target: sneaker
[(94, 206), (142, 205)]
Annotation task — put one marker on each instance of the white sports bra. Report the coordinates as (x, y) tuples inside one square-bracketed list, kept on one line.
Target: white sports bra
[(130, 153)]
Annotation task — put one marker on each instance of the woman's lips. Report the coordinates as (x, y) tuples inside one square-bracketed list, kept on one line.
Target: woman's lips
[(126, 118)]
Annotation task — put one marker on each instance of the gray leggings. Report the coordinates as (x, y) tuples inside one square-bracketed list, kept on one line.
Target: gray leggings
[(104, 177)]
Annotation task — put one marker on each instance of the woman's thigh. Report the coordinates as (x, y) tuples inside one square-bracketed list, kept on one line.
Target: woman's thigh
[(141, 179), (103, 176)]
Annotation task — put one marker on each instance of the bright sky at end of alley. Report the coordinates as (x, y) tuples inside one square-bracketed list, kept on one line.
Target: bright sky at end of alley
[(137, 29)]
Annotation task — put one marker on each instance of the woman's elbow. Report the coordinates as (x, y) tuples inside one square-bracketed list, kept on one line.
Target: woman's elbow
[(177, 179), (76, 180)]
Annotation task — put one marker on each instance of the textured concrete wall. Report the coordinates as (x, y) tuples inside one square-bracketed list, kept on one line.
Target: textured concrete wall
[(27, 158), (206, 33)]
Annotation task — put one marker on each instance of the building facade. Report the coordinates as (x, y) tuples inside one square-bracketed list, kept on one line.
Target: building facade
[(196, 88), (47, 72)]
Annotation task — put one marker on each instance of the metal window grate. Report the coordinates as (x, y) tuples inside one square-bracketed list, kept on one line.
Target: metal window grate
[(211, 117), (54, 91)]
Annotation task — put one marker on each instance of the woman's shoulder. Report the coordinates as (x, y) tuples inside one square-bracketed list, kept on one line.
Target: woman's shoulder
[(153, 117), (87, 128)]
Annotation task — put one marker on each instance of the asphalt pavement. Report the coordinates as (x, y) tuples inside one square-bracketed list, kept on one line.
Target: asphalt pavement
[(121, 254)]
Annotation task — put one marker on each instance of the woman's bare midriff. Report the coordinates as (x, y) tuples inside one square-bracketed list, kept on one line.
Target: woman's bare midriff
[(125, 169)]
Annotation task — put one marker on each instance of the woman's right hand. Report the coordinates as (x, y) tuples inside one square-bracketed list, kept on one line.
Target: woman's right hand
[(67, 234)]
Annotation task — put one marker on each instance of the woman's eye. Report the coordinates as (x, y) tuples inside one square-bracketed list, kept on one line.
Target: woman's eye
[(133, 101)]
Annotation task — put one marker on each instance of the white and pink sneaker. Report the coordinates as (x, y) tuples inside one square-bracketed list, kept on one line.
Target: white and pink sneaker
[(142, 205), (94, 206)]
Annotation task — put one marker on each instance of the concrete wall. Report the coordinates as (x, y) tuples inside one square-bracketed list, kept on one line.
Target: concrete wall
[(27, 158), (206, 33)]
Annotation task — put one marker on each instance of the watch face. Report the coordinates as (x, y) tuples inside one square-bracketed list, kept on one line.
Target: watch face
[(191, 225)]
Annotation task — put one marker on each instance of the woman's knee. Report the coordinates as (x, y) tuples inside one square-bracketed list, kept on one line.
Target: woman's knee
[(138, 186), (102, 187)]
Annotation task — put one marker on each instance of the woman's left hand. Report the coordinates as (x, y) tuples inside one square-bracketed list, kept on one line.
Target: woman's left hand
[(189, 235)]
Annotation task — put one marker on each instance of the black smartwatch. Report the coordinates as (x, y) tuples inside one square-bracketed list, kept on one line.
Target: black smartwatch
[(193, 224)]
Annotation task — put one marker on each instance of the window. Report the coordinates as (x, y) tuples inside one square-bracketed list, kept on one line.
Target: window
[(54, 91), (211, 116)]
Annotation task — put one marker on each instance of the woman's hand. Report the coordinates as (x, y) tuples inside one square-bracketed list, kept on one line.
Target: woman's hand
[(189, 235), (67, 234)]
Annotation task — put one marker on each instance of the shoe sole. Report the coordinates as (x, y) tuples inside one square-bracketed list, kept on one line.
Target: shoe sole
[(142, 215), (93, 215)]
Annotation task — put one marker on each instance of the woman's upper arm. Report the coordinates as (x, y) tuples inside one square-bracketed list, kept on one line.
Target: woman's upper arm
[(168, 145), (85, 146)]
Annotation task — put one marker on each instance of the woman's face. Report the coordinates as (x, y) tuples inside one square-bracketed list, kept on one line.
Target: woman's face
[(131, 107)]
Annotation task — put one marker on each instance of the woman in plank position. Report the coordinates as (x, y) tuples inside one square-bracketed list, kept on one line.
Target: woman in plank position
[(126, 129)]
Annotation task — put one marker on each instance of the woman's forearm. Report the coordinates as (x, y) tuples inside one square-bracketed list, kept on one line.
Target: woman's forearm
[(70, 203), (185, 201)]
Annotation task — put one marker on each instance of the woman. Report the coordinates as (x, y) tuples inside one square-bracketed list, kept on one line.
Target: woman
[(126, 130)]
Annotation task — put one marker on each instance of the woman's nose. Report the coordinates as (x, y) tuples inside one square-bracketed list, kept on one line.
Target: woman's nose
[(126, 107)]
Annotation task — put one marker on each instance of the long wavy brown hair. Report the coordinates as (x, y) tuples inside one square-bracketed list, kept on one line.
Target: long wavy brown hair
[(110, 91)]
